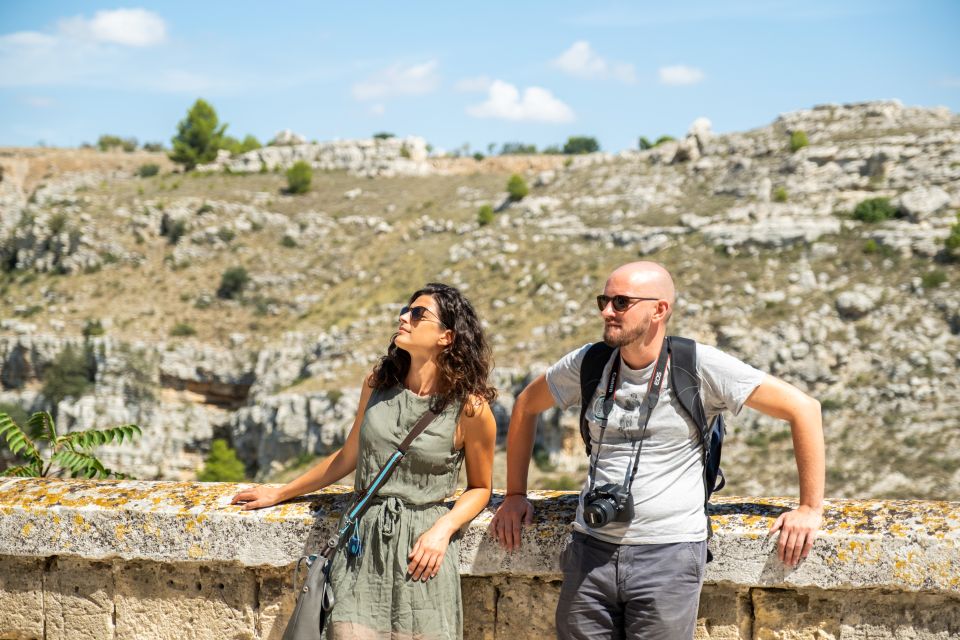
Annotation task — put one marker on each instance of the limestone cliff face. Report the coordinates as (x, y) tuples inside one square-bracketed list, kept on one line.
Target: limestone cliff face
[(770, 264)]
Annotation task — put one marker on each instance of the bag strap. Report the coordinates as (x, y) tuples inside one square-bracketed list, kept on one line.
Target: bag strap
[(591, 373), (356, 510), (685, 381)]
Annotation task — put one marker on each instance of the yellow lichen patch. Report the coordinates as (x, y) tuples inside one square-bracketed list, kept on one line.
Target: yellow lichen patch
[(79, 524), (195, 552), (25, 531), (121, 531)]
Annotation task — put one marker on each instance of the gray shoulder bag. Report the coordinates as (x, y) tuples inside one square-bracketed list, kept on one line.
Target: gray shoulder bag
[(315, 599)]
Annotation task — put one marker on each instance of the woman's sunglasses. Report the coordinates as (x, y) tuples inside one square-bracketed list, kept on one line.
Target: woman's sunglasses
[(620, 303), (419, 313)]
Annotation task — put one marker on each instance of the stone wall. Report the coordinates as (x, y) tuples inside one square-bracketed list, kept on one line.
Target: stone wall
[(145, 560)]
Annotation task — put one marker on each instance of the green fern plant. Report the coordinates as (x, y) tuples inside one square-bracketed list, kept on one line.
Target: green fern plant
[(70, 452)]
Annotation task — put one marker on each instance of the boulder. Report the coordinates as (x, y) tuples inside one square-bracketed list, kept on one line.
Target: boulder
[(922, 202)]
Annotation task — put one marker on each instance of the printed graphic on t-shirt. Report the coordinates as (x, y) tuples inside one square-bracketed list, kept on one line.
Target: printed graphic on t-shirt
[(625, 415)]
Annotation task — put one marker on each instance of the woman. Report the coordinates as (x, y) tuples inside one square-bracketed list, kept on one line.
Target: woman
[(405, 583)]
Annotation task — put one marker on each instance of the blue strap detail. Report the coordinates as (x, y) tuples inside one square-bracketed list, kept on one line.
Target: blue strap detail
[(394, 459)]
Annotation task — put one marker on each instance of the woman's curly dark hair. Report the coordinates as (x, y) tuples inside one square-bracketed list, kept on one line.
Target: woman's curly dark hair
[(464, 365)]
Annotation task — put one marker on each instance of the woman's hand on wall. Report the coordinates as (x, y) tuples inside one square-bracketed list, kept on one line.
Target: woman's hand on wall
[(257, 497)]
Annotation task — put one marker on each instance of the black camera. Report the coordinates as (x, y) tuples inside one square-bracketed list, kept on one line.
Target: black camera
[(607, 503)]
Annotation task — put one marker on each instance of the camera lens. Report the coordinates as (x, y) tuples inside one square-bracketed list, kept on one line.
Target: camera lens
[(598, 513)]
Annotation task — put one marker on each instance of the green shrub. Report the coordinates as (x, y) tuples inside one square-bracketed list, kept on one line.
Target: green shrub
[(561, 483), (299, 177), (173, 229), (798, 140), (580, 144), (952, 243), (478, 156), (58, 222), (485, 215), (70, 452), (148, 170), (874, 210), (153, 146), (871, 246), (108, 142), (232, 283), (289, 242), (182, 330), (517, 188), (382, 135), (198, 137), (206, 207), (226, 234), (404, 151), (237, 147), (644, 143), (779, 194), (222, 465), (933, 279), (517, 148), (70, 375), (93, 328), (663, 139), (541, 458)]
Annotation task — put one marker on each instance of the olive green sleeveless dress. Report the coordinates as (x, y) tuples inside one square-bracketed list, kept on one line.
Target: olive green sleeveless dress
[(375, 598)]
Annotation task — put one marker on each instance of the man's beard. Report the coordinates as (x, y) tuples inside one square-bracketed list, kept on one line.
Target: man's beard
[(624, 336)]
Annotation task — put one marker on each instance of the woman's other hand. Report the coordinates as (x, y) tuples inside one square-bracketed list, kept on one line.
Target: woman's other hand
[(427, 553), (257, 497)]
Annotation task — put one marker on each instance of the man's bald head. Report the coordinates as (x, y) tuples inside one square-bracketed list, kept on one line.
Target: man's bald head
[(643, 278)]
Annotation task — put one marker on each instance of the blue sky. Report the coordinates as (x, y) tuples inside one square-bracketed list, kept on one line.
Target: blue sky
[(535, 72)]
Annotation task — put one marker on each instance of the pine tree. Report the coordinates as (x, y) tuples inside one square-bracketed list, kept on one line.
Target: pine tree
[(222, 465), (198, 136)]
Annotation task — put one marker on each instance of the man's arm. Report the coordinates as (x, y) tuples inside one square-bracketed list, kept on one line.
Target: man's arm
[(516, 509), (798, 528)]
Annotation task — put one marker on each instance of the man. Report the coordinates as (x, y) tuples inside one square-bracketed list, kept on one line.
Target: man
[(637, 572)]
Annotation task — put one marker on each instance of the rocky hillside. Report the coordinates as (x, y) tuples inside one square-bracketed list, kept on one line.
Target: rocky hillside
[(770, 264)]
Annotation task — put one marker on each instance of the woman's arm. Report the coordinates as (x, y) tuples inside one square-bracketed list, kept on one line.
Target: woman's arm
[(329, 470), (479, 440)]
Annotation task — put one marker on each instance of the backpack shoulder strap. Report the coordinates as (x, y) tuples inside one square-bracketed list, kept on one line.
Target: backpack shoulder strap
[(591, 372), (685, 380)]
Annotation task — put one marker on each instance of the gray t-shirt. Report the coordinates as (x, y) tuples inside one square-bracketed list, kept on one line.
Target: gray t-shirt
[(668, 486)]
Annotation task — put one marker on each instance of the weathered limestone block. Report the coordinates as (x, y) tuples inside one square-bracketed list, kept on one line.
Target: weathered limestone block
[(724, 613), (525, 608), (819, 615), (276, 601), (78, 600), (21, 598), (158, 601), (479, 608)]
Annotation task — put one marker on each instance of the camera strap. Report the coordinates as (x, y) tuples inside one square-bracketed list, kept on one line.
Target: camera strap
[(649, 402)]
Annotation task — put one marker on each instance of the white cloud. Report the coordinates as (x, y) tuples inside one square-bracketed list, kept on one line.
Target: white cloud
[(129, 27), (37, 102), (85, 52), (398, 80), (680, 75), (536, 105), (951, 82), (377, 110), (27, 39), (582, 61), (478, 84)]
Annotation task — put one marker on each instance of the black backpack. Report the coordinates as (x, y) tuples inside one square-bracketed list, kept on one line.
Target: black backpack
[(686, 387)]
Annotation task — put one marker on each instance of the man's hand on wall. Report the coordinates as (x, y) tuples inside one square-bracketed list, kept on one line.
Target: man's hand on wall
[(514, 512), (798, 529)]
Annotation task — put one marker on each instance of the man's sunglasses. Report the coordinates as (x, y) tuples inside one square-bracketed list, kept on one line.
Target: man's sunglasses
[(418, 313), (620, 303)]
